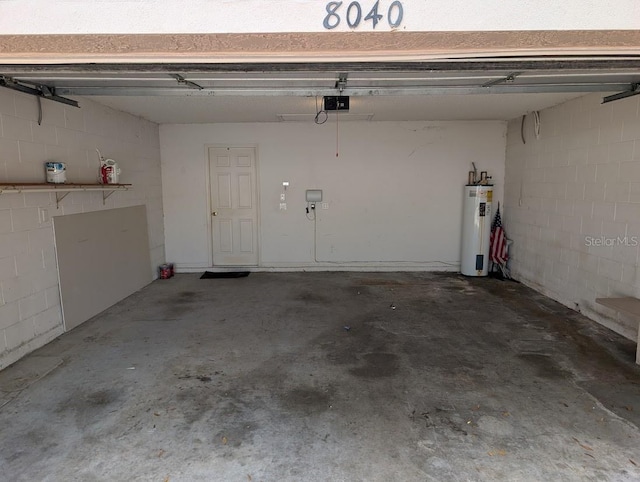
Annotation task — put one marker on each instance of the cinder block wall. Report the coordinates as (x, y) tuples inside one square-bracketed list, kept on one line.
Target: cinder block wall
[(30, 313), (394, 193), (572, 204)]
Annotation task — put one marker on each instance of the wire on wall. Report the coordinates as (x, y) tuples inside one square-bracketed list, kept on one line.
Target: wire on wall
[(321, 114), (337, 134), (315, 237), (311, 214), (536, 123), (39, 111)]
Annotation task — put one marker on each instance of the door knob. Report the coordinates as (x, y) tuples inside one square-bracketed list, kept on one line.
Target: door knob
[(214, 213)]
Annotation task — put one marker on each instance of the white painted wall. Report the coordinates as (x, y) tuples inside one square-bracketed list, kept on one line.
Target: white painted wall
[(394, 193), (30, 314), (255, 16), (578, 184)]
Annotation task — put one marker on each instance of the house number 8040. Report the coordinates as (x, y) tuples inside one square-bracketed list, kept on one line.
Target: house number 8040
[(353, 15)]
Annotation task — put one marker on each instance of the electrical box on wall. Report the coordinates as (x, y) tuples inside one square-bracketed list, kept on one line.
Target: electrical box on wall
[(314, 195), (333, 102)]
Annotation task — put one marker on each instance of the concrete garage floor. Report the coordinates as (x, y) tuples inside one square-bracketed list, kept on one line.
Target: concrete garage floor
[(257, 379)]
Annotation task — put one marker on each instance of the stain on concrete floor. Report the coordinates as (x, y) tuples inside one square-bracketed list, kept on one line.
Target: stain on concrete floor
[(438, 377)]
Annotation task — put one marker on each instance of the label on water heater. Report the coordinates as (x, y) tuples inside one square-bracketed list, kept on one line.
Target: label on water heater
[(483, 209)]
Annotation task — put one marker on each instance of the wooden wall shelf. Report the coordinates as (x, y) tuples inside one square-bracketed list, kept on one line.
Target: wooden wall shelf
[(62, 190)]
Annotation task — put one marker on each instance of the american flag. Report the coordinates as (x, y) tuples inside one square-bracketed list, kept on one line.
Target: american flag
[(498, 242)]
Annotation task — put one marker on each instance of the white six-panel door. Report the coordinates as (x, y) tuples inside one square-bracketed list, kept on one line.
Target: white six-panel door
[(234, 210)]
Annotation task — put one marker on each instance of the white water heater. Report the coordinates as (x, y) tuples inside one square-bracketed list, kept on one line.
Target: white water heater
[(476, 229)]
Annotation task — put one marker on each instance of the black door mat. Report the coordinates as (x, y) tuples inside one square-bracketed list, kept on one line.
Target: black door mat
[(231, 274)]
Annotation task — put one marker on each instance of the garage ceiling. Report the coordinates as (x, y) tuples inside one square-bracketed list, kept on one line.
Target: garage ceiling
[(185, 110), (491, 89)]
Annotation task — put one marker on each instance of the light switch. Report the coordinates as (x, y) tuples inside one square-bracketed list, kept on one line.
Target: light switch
[(283, 197), (325, 205), (283, 206)]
